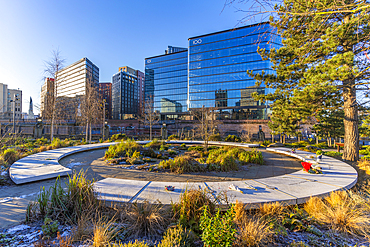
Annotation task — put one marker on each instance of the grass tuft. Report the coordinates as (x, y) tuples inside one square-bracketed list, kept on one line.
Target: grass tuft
[(341, 213)]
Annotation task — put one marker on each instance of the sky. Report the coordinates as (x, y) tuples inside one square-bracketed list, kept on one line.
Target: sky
[(110, 33)]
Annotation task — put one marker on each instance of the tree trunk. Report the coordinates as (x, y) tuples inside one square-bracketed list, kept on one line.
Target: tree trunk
[(272, 138), (87, 131), (90, 133), (150, 131), (284, 139), (351, 135)]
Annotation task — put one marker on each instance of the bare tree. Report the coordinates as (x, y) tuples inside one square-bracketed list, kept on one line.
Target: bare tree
[(207, 124), (148, 116), (52, 67), (90, 107)]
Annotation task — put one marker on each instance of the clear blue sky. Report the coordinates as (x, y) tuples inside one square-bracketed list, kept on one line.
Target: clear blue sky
[(110, 33)]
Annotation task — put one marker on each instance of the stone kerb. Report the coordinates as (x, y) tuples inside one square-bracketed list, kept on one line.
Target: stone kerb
[(45, 165)]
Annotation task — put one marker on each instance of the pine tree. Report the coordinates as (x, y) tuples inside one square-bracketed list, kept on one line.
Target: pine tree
[(323, 46)]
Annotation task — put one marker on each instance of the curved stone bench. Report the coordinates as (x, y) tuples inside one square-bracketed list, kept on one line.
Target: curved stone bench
[(294, 188), (45, 165)]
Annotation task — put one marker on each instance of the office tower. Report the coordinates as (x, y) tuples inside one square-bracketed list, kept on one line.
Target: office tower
[(124, 94), (105, 93), (166, 82), (217, 70)]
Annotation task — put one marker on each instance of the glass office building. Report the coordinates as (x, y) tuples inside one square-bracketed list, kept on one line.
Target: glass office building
[(217, 71), (166, 82), (125, 97), (212, 73)]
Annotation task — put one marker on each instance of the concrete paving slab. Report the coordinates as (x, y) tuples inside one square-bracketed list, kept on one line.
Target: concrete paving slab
[(155, 192), (300, 188), (119, 190), (254, 193)]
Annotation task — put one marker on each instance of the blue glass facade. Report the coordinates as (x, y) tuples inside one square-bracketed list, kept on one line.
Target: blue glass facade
[(217, 71), (212, 73), (125, 97), (166, 81)]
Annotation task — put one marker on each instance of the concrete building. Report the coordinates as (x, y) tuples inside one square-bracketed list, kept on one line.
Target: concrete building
[(47, 94), (124, 94), (14, 103), (105, 94), (72, 80), (10, 99), (70, 87)]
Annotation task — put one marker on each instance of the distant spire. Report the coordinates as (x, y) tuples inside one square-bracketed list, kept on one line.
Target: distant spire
[(30, 110)]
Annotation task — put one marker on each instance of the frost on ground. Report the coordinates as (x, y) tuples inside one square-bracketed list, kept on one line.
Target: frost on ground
[(7, 199), (24, 235)]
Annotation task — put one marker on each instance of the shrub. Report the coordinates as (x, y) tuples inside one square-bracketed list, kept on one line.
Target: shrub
[(42, 149), (68, 206), (364, 152), (122, 149), (50, 228), (146, 219), (56, 143), (196, 148), (190, 207), (10, 156), (218, 230), (334, 154), (155, 144), (118, 137), (215, 137), (364, 165), (232, 138), (178, 237), (172, 152), (180, 164), (103, 233), (173, 137), (253, 232)]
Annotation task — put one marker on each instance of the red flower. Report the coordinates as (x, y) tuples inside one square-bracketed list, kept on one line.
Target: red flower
[(306, 166)]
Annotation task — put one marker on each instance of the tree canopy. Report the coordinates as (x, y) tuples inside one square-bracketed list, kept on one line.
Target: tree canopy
[(323, 56)]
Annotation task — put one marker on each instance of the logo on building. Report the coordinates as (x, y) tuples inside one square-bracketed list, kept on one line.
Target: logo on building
[(148, 61), (197, 42)]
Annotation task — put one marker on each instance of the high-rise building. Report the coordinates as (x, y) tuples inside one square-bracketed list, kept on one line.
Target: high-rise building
[(124, 94), (10, 102), (212, 73), (105, 93), (166, 81), (68, 89), (72, 80), (47, 97), (3, 99), (140, 84), (217, 70)]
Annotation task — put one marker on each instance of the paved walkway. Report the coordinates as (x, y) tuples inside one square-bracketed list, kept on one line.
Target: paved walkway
[(291, 188)]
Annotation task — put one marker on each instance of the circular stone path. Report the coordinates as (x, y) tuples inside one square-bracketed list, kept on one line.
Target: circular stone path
[(292, 188)]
